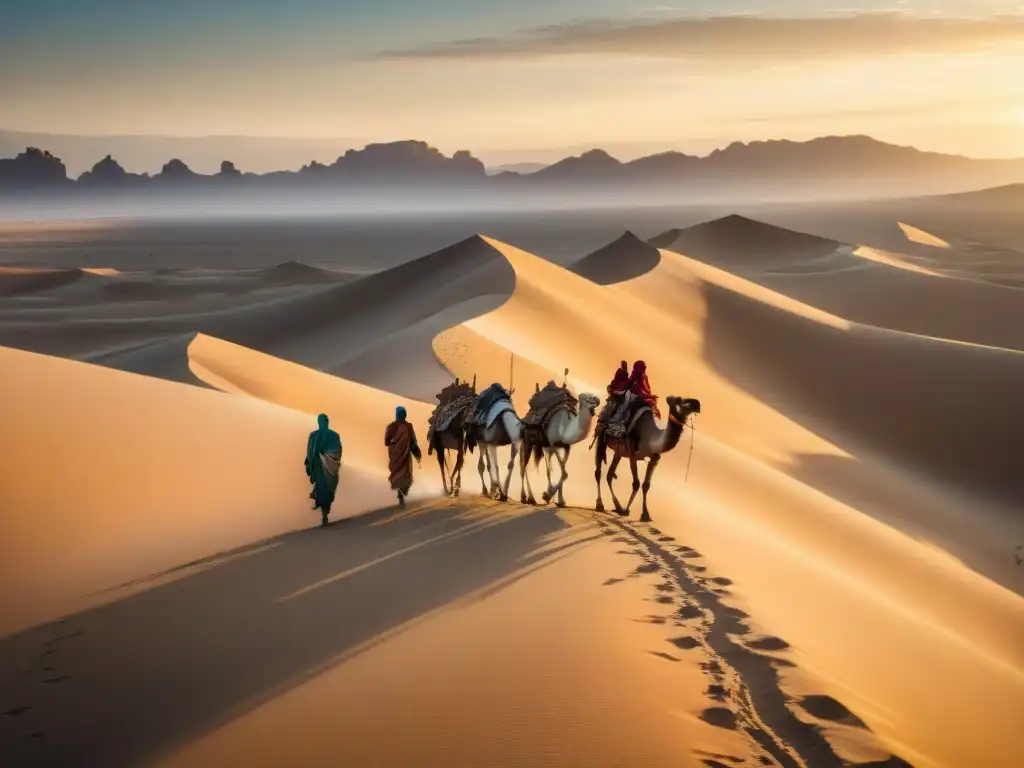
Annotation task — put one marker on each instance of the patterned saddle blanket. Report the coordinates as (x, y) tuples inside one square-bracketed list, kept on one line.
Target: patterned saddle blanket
[(618, 428), (546, 402), (484, 410), (452, 402)]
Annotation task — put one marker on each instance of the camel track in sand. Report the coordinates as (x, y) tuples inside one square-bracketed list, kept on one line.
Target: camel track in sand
[(744, 691)]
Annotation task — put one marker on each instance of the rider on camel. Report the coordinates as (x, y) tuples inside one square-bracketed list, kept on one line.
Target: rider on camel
[(616, 393), (640, 387)]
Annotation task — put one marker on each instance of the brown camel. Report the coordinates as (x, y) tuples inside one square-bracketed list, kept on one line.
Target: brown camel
[(447, 431), (645, 440)]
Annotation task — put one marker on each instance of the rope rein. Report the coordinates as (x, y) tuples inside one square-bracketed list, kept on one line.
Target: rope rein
[(689, 458)]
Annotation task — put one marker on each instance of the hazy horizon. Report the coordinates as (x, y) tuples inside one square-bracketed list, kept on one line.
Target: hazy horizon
[(526, 84), (141, 153)]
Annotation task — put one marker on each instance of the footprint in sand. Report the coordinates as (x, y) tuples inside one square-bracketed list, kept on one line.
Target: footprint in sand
[(698, 568), (722, 592), (768, 644), (827, 708), (623, 540), (647, 568), (712, 667), (720, 717), (717, 692), (612, 581), (689, 612), (690, 554), (666, 538), (664, 599), (685, 643), (57, 679), (17, 711), (722, 581), (662, 655), (666, 586)]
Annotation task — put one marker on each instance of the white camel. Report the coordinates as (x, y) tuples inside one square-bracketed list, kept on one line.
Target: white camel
[(562, 432), (503, 428)]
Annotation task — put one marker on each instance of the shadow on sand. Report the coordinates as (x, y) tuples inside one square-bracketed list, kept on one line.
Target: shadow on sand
[(133, 679)]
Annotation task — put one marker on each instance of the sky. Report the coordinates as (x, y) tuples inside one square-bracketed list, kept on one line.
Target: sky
[(522, 81)]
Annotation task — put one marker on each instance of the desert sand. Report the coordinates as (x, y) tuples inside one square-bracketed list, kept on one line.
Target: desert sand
[(829, 578)]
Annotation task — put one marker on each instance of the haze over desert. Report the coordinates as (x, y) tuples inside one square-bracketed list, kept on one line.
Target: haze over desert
[(558, 384)]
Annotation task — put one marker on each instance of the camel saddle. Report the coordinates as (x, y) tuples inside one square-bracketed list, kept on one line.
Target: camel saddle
[(546, 402), (620, 428), (482, 405), (452, 401)]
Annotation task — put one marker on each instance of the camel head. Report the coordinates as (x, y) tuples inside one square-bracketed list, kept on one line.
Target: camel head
[(590, 402), (679, 408)]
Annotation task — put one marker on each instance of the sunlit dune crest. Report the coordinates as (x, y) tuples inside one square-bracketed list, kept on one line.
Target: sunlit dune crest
[(826, 578), (893, 260), (919, 236)]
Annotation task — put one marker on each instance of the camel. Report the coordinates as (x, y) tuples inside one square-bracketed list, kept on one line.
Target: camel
[(645, 440), (447, 431), (556, 438), (504, 429)]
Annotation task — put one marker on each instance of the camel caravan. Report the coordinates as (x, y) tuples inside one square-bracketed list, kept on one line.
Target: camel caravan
[(464, 420)]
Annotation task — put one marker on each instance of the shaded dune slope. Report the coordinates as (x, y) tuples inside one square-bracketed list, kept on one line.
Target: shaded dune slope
[(309, 323), (737, 241), (623, 259), (15, 281)]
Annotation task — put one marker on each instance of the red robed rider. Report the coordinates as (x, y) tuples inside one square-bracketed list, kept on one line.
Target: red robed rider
[(620, 382), (640, 387)]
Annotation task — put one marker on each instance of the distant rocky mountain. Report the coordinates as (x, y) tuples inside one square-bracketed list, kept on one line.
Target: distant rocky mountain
[(853, 164)]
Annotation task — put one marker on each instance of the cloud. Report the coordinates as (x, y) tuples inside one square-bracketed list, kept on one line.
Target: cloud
[(725, 38)]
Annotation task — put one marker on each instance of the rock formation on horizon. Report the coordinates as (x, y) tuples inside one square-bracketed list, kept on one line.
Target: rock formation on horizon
[(33, 168)]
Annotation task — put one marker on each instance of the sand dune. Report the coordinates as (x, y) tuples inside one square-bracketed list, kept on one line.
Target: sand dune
[(737, 241), (828, 581), (623, 259), (940, 298), (115, 511), (19, 282), (318, 318), (894, 574)]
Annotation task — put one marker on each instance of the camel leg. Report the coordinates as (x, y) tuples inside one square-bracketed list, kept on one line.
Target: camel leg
[(492, 470), (524, 459), (598, 461), (444, 476), (636, 482), (522, 470), (460, 459), (645, 517), (550, 492), (480, 469), (562, 461), (611, 476), (513, 452)]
